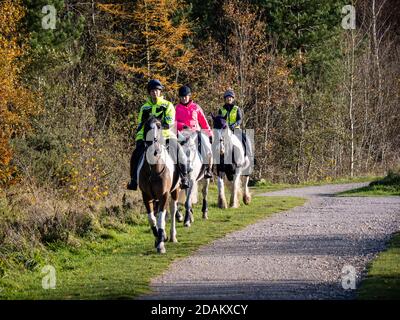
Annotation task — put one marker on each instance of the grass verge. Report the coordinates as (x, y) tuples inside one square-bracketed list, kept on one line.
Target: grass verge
[(383, 274), (265, 186), (387, 186), (383, 279), (118, 264)]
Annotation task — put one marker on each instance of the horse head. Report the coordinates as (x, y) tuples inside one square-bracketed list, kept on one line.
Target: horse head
[(189, 143), (153, 134)]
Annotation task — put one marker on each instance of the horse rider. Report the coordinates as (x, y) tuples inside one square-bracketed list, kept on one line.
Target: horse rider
[(164, 110), (233, 115), (230, 111), (189, 116)]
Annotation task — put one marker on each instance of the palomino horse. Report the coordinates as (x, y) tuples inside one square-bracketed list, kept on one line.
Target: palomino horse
[(158, 177), (231, 160), (196, 173)]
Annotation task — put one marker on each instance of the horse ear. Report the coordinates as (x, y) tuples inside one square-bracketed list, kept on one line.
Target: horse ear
[(145, 117)]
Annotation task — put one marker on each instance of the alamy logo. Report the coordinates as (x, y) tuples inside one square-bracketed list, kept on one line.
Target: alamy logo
[(50, 18), (349, 277), (349, 20), (49, 280)]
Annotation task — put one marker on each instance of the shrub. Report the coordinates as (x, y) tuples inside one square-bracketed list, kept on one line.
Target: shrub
[(392, 179)]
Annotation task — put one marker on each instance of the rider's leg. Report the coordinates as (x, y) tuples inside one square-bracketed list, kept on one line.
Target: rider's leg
[(245, 145), (179, 157), (132, 185), (248, 145), (206, 150), (183, 167)]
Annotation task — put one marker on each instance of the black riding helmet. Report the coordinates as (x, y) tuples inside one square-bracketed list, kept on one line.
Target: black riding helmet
[(184, 91), (154, 84)]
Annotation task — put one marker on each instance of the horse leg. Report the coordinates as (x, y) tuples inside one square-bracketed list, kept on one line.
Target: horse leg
[(148, 202), (204, 208), (155, 206), (181, 199), (161, 224), (246, 194), (178, 215), (173, 209), (221, 193), (188, 205), (234, 202)]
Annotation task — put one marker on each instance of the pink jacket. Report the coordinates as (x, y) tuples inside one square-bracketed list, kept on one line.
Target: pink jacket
[(192, 116)]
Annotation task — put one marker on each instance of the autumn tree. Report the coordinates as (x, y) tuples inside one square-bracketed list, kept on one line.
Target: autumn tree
[(152, 39), (245, 61), (16, 102)]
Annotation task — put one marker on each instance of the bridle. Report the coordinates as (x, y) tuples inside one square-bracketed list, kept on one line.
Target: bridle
[(158, 148)]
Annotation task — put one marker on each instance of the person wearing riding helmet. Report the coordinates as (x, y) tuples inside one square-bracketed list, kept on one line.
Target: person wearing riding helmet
[(190, 116), (164, 110), (234, 117), (230, 111)]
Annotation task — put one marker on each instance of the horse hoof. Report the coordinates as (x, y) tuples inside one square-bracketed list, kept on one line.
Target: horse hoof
[(174, 240), (223, 206), (205, 216), (161, 251), (179, 217), (161, 248), (187, 224), (246, 200)]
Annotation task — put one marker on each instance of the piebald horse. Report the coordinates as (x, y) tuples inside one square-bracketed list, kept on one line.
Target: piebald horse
[(158, 178), (231, 161), (196, 173)]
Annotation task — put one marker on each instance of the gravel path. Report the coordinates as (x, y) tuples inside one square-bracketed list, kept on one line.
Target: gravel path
[(298, 254)]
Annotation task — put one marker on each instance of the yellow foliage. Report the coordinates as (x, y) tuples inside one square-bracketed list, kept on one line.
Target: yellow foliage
[(17, 103), (85, 178), (154, 46)]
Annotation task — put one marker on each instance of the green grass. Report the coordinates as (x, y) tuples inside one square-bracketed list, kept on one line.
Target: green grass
[(387, 186), (120, 264), (383, 274), (266, 186), (383, 279), (379, 191)]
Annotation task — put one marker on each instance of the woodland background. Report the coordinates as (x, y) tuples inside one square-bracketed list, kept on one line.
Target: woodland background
[(323, 101)]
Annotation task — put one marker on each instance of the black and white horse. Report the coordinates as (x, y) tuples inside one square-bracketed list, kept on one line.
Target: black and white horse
[(232, 161), (158, 180)]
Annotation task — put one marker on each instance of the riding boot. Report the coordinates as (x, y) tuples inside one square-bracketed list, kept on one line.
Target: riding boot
[(184, 176), (132, 185)]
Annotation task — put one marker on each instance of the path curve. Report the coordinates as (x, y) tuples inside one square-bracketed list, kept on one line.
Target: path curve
[(297, 254)]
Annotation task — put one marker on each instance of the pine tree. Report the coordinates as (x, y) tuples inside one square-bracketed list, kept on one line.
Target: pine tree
[(16, 102), (305, 29), (51, 48)]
